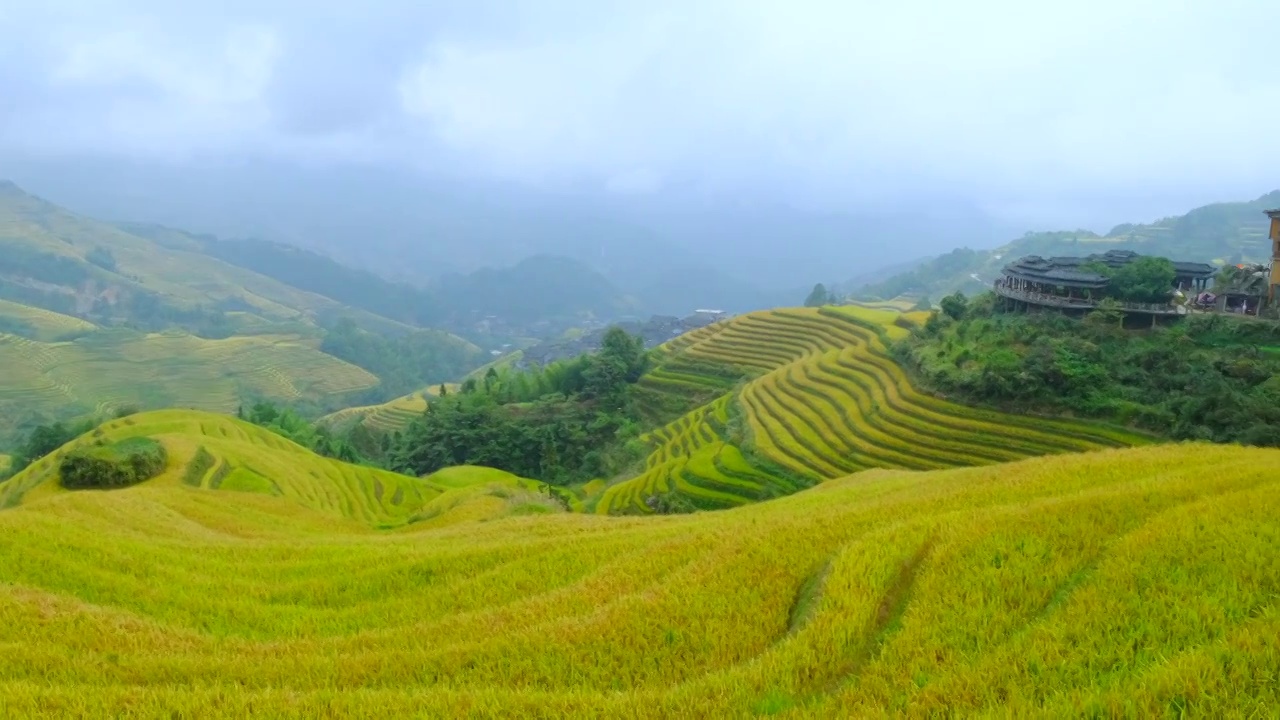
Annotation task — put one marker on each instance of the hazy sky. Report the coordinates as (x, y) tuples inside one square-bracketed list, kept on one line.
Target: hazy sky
[(1032, 109)]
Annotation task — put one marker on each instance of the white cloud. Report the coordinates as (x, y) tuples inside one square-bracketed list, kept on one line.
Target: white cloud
[(1011, 102)]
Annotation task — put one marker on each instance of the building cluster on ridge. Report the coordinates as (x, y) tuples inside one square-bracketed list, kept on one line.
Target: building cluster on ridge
[(1071, 283)]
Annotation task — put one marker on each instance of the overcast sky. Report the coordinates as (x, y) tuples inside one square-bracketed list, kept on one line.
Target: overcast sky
[(1032, 109)]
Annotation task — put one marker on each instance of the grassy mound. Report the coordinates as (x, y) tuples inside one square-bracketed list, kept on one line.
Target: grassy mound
[(1137, 582), (798, 396), (217, 452)]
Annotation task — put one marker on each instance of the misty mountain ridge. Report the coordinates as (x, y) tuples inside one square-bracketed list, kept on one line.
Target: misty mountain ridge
[(1218, 233), (671, 250), (154, 276)]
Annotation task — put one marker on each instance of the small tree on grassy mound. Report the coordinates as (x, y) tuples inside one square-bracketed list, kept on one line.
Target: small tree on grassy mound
[(818, 297), (114, 465)]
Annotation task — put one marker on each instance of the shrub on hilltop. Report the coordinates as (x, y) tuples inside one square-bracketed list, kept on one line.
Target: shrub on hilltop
[(115, 465)]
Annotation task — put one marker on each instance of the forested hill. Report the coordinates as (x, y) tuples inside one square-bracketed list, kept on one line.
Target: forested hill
[(1220, 233), (541, 288)]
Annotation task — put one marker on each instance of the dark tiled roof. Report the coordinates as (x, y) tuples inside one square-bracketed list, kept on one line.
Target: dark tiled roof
[(1066, 270), (1193, 268), (1060, 271)]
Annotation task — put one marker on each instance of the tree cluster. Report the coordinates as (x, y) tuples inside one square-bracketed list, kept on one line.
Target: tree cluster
[(1146, 279), (561, 424), (403, 363), (112, 465), (1208, 377), (317, 438)]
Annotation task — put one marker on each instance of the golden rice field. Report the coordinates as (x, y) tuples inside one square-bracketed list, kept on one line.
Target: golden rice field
[(391, 416), (218, 452), (46, 325), (1137, 582), (806, 395), (5, 463), (116, 368), (901, 303)]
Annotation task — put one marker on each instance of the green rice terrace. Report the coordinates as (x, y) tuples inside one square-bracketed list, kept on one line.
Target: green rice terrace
[(798, 396)]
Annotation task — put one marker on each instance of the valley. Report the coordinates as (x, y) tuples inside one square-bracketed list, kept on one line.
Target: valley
[(232, 486)]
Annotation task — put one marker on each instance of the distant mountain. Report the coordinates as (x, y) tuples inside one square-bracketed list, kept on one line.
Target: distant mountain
[(95, 317), (1221, 233), (64, 262), (538, 288), (674, 250), (557, 291)]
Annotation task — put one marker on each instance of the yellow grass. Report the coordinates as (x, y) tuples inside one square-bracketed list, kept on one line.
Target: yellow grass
[(1136, 582), (219, 452)]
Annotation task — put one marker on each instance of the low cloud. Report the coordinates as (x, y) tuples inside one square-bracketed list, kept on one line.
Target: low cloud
[(1020, 107)]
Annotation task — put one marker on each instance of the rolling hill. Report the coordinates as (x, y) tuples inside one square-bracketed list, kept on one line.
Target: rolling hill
[(216, 452), (254, 581), (797, 396), (117, 368), (1220, 233), (75, 265), (40, 324), (96, 316)]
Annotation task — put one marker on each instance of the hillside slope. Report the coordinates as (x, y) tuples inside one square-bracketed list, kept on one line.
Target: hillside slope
[(68, 263), (1221, 233), (95, 316), (118, 368), (217, 452), (1140, 582), (797, 396)]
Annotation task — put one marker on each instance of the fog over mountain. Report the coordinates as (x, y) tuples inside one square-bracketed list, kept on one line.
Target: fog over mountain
[(763, 145)]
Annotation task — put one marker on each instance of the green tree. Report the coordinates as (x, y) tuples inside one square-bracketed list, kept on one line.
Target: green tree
[(955, 305), (1146, 279), (818, 296)]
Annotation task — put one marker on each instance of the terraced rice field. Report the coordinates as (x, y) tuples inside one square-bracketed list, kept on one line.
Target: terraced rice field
[(898, 304), (109, 369), (46, 325), (391, 416), (5, 463), (1137, 583), (818, 397), (218, 452)]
